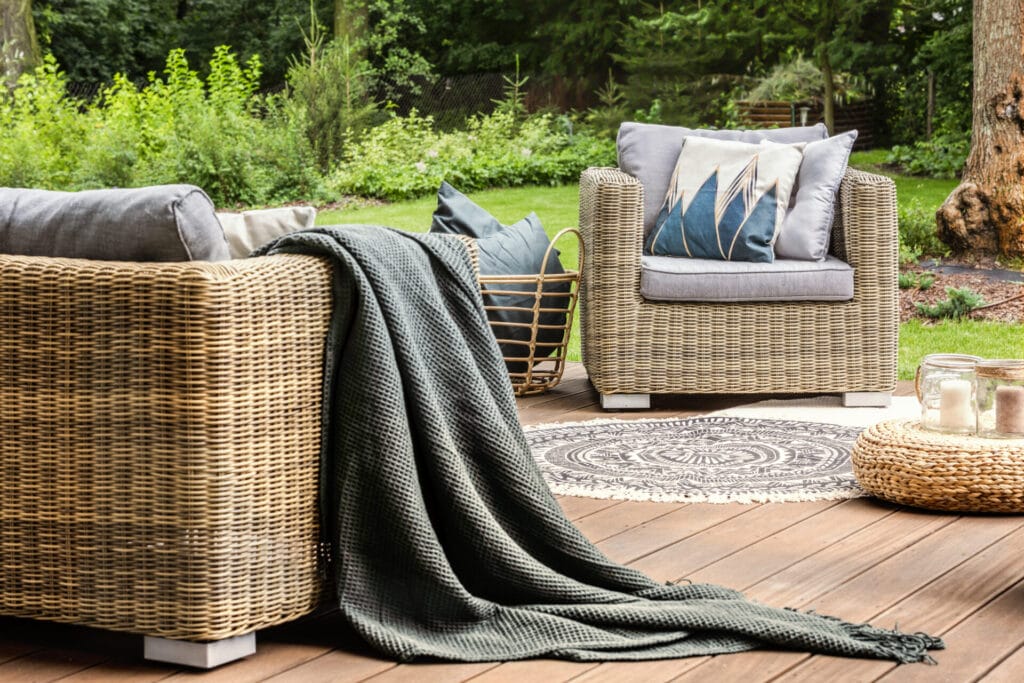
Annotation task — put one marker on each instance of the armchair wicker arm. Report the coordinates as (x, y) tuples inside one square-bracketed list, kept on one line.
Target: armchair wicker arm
[(160, 435), (611, 223)]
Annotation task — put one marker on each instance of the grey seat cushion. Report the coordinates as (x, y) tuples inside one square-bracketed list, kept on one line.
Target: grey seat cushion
[(159, 223), (648, 152), (664, 278)]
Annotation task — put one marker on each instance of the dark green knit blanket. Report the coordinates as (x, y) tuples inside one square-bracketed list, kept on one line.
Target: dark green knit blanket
[(445, 540)]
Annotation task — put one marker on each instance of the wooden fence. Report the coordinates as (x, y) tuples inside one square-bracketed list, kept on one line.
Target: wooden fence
[(853, 115)]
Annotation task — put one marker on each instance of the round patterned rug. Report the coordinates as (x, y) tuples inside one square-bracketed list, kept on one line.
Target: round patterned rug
[(715, 459)]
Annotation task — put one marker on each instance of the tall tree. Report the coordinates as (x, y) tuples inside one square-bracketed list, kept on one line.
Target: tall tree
[(19, 48), (985, 213)]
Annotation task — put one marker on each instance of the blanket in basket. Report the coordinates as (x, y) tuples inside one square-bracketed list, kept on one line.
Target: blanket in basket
[(445, 540)]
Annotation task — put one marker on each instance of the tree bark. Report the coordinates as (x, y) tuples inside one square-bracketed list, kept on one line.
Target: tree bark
[(985, 213), (19, 48)]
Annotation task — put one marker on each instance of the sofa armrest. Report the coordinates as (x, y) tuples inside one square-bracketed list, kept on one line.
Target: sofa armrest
[(611, 223), (160, 431), (865, 230)]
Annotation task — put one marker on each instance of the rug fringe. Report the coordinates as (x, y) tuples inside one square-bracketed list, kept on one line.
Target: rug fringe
[(719, 499)]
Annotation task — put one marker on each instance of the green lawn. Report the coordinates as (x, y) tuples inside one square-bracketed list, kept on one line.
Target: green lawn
[(557, 208), (929, 192)]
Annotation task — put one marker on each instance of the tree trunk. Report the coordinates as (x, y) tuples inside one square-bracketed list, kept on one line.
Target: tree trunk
[(349, 19), (19, 49), (829, 95), (985, 213)]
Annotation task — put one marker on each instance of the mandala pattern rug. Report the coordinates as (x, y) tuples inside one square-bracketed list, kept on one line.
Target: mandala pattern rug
[(718, 458)]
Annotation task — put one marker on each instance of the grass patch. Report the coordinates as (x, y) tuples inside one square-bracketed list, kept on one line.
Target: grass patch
[(977, 337), (910, 190)]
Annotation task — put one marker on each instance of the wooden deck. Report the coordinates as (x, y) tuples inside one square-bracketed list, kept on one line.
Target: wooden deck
[(958, 576)]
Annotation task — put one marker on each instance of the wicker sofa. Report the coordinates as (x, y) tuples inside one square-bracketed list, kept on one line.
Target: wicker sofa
[(633, 347), (160, 440)]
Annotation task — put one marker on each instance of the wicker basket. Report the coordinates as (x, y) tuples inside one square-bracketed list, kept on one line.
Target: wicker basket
[(900, 462), (543, 362)]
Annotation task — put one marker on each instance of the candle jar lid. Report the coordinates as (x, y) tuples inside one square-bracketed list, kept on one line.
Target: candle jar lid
[(1000, 398), (1006, 369), (952, 361)]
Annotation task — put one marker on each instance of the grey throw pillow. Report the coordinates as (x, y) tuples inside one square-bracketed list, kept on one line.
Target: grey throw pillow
[(457, 214), (807, 228), (160, 223), (648, 152), (516, 249)]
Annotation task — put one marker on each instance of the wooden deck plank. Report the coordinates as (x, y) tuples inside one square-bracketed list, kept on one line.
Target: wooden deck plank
[(785, 548), (435, 672), (48, 665), (620, 518), (1010, 670), (577, 508), (866, 595), (335, 666), (684, 557), (668, 529), (535, 670)]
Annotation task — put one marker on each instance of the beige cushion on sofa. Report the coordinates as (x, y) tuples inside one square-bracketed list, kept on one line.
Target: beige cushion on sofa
[(665, 278), (250, 229)]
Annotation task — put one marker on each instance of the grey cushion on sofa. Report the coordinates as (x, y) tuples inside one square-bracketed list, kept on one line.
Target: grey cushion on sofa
[(160, 223), (648, 152), (664, 278), (807, 227)]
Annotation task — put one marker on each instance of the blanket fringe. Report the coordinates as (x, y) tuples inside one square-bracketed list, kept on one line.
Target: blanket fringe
[(905, 648)]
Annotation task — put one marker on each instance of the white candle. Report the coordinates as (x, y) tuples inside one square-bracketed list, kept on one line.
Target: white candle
[(955, 405), (1010, 409)]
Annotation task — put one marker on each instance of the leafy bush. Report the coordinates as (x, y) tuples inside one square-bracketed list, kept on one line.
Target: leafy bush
[(407, 157), (41, 131), (959, 303), (941, 157), (800, 80), (917, 233), (241, 148)]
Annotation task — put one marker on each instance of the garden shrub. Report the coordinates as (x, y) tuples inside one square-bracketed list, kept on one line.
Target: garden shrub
[(407, 157), (240, 147), (918, 234), (959, 303), (941, 157), (41, 131)]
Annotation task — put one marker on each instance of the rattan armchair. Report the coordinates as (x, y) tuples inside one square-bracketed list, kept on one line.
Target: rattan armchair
[(160, 444), (633, 348)]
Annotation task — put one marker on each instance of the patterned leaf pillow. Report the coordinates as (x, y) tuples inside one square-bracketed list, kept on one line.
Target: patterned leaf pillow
[(726, 200)]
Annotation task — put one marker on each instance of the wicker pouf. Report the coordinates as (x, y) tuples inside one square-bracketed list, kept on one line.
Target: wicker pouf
[(903, 463)]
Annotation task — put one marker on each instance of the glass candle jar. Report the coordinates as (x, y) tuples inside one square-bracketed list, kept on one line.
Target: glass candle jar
[(1000, 394), (945, 388)]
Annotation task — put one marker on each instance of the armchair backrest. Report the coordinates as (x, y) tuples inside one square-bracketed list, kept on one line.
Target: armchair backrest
[(648, 152)]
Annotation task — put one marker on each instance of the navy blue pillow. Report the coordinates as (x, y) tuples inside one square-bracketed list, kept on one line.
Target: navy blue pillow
[(516, 249)]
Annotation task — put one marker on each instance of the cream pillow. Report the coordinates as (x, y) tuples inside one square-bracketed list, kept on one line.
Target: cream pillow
[(726, 200), (250, 229)]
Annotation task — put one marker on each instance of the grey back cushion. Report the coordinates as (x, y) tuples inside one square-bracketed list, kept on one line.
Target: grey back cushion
[(648, 152), (807, 228), (159, 223)]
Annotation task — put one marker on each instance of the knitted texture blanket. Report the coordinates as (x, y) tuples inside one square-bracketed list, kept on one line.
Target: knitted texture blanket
[(445, 541)]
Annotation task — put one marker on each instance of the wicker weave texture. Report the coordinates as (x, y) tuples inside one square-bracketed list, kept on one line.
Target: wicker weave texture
[(631, 345), (159, 439), (903, 463)]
